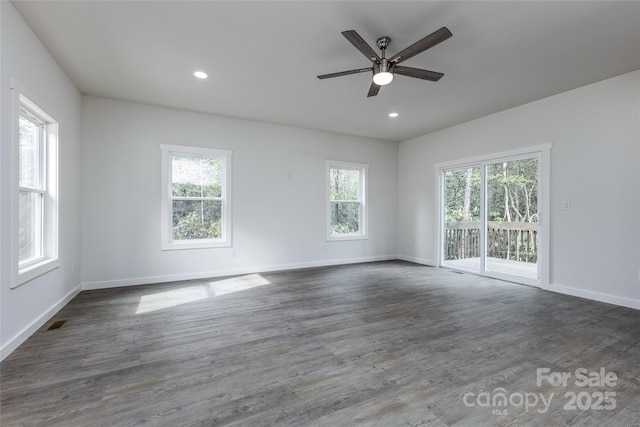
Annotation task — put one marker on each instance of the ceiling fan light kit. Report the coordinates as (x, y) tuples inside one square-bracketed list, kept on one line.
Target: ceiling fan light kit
[(382, 78), (384, 69)]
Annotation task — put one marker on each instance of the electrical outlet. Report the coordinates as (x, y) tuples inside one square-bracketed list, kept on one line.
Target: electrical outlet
[(566, 205), (233, 253)]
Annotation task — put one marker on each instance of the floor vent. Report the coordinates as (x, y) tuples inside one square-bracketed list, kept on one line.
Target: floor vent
[(56, 325)]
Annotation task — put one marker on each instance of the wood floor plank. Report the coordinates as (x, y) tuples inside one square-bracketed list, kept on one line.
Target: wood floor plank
[(377, 344)]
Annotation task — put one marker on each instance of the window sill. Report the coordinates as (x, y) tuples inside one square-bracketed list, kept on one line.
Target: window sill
[(35, 270), (195, 245), (337, 238)]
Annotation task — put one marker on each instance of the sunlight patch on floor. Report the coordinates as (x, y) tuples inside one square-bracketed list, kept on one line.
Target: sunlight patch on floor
[(236, 284), (172, 298)]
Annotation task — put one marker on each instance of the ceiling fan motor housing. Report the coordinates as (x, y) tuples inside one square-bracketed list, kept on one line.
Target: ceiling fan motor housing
[(383, 67)]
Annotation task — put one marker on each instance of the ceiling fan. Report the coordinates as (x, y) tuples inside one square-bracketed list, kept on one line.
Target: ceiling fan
[(383, 69)]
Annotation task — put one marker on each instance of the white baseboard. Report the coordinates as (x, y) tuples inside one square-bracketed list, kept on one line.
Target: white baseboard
[(424, 261), (22, 336), (595, 296), (105, 284)]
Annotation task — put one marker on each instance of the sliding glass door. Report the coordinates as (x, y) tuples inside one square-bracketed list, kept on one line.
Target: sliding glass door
[(490, 218)]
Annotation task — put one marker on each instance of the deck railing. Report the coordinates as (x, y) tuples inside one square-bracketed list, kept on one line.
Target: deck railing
[(516, 241)]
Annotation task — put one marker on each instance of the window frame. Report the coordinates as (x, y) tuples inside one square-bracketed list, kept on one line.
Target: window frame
[(363, 170), (167, 241), (25, 103)]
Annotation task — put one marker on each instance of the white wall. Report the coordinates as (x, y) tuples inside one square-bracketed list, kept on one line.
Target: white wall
[(27, 307), (278, 222), (595, 163)]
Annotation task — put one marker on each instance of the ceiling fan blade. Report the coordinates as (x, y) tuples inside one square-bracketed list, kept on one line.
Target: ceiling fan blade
[(344, 73), (373, 90), (417, 73), (421, 45), (361, 45)]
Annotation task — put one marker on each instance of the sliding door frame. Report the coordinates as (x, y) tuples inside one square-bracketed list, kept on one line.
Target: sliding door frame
[(543, 154)]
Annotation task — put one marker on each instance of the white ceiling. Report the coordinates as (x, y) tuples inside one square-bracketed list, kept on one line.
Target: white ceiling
[(263, 57)]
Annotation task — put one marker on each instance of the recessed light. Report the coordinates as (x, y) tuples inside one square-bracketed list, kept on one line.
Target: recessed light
[(200, 74), (392, 115)]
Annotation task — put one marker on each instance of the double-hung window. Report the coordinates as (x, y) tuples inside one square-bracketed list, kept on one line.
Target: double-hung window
[(347, 202), (35, 214), (195, 197)]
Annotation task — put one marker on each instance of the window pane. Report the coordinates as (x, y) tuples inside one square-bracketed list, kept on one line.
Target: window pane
[(29, 226), (196, 177), (345, 217), (512, 216), (28, 153), (344, 184), (462, 216), (196, 219)]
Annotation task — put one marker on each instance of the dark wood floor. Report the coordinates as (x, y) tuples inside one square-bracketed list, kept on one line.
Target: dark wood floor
[(389, 343)]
